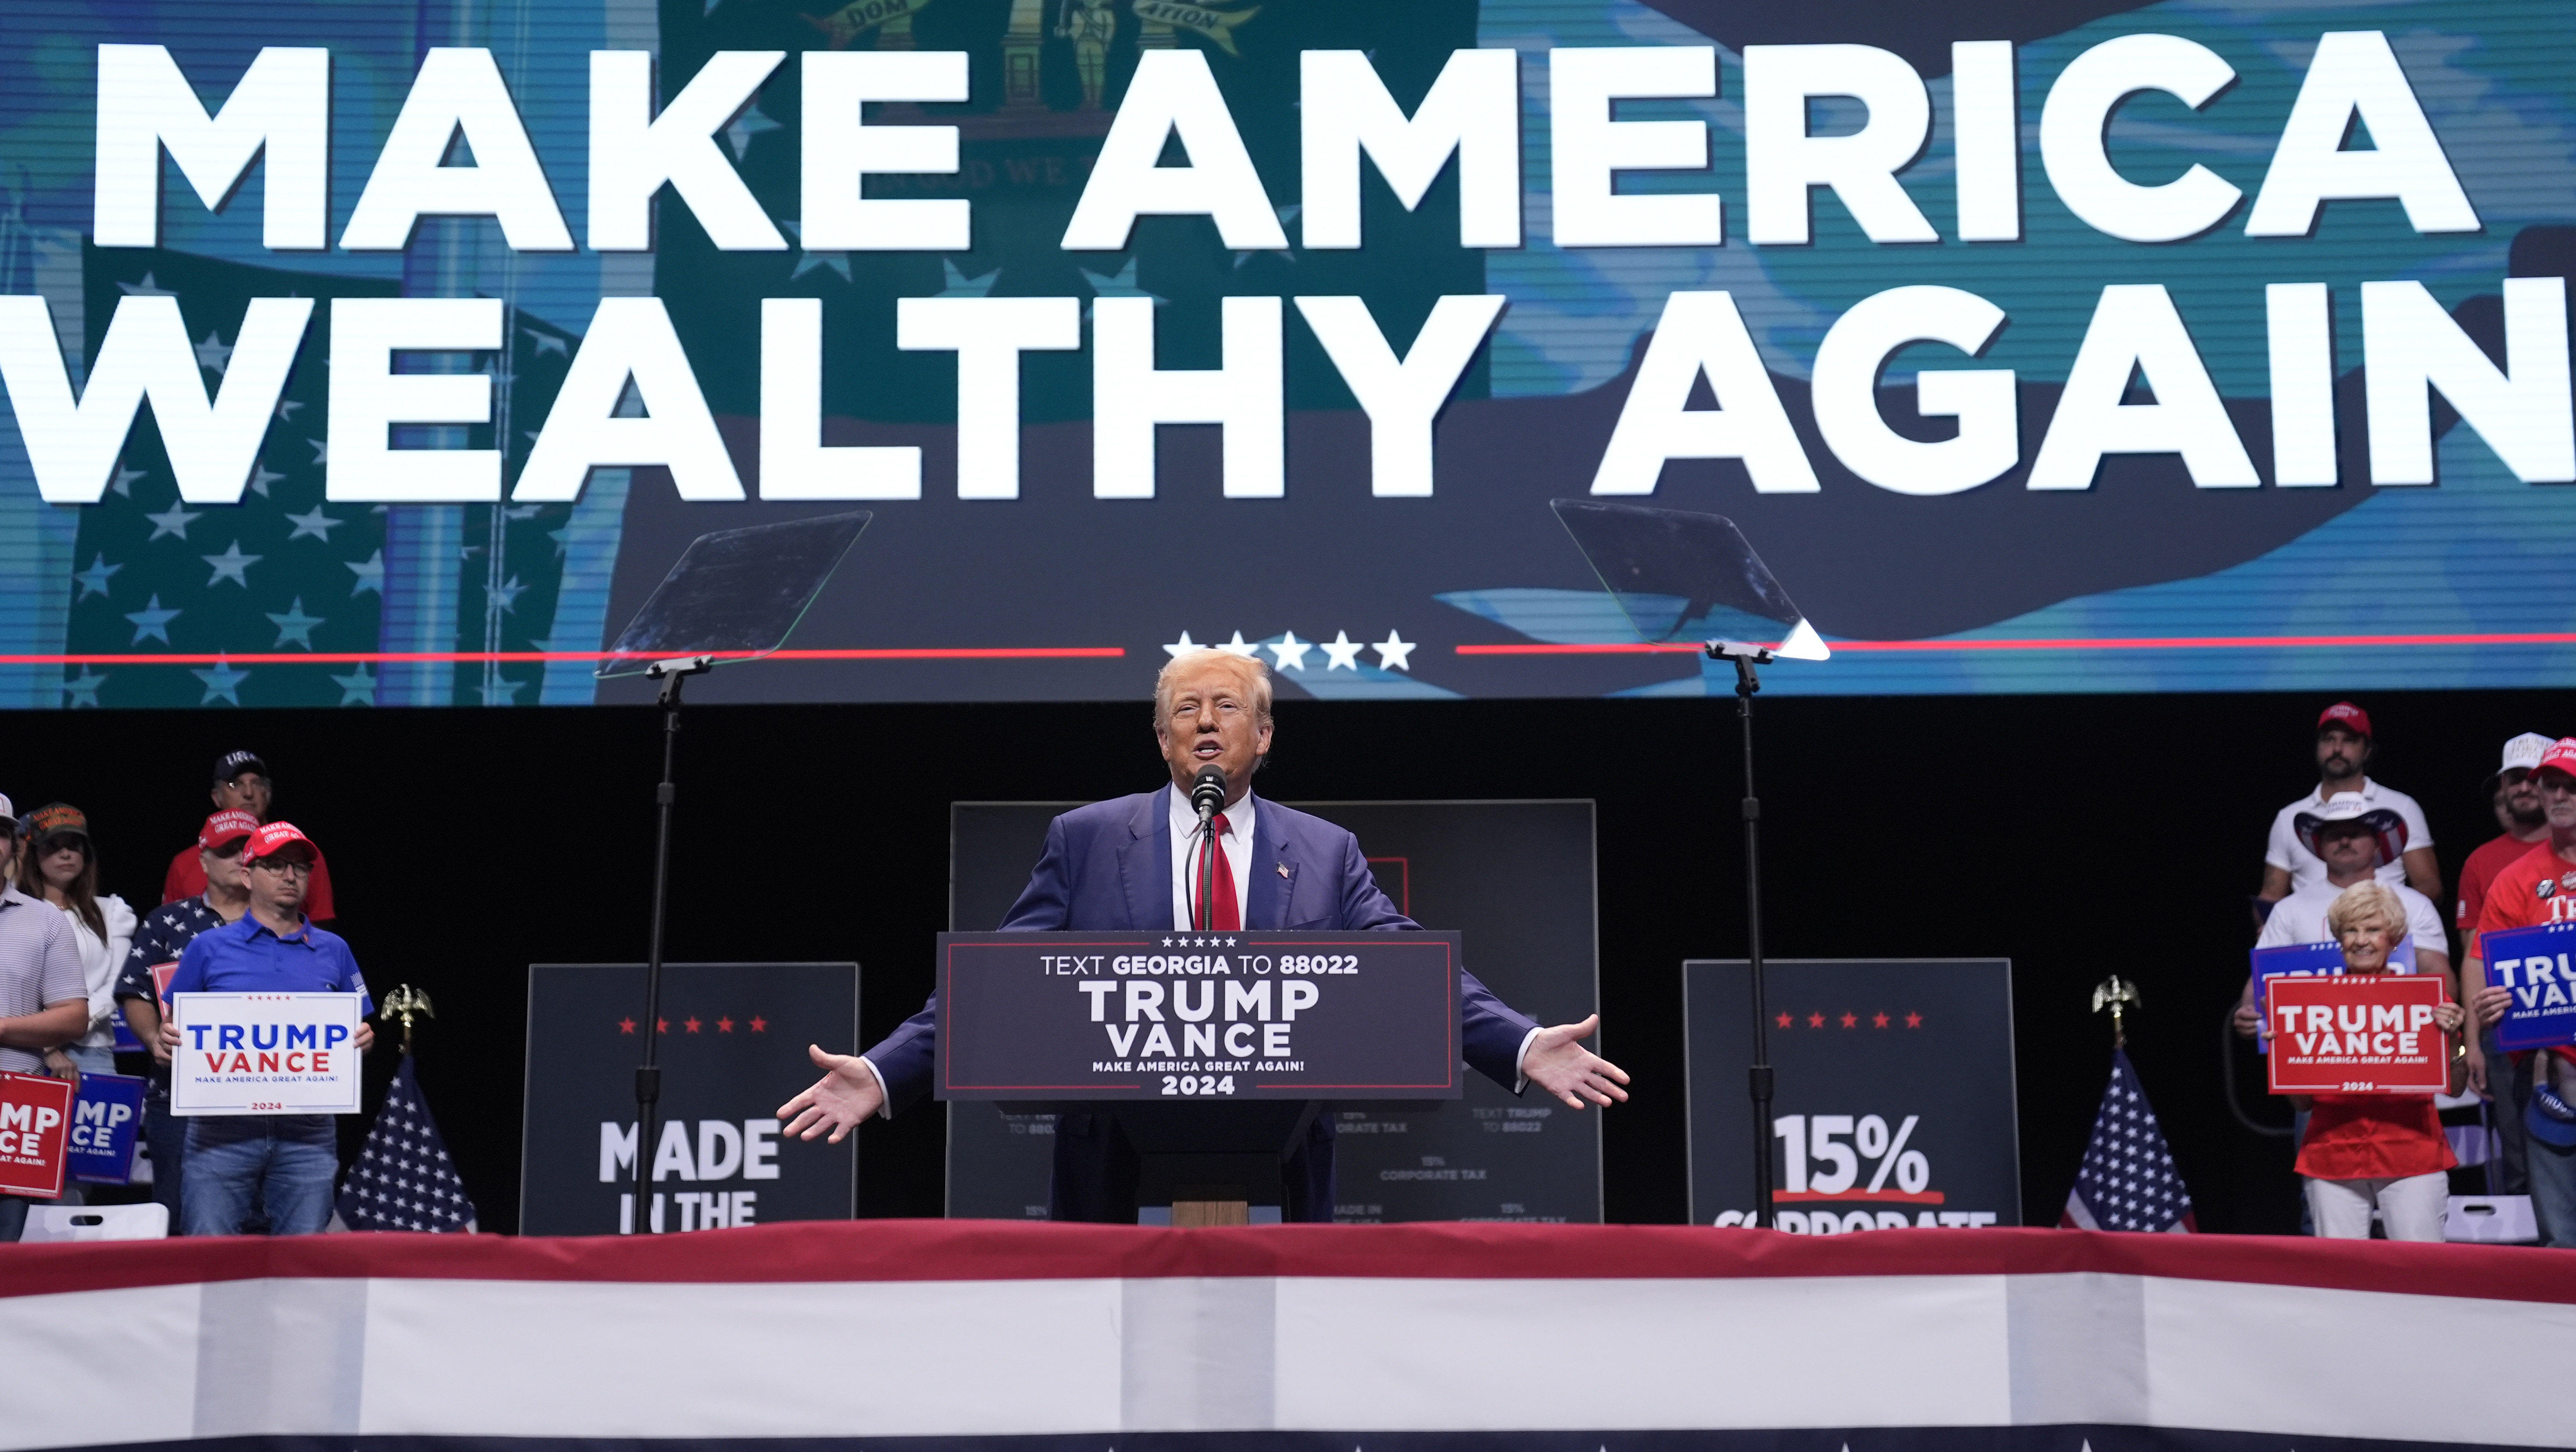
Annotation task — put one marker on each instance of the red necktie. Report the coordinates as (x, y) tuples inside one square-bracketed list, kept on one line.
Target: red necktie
[(1226, 914)]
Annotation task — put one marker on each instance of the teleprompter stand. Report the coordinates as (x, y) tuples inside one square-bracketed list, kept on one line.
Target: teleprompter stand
[(1678, 575), (735, 595)]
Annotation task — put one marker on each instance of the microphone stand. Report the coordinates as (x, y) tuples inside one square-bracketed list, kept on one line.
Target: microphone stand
[(673, 674), (1746, 657)]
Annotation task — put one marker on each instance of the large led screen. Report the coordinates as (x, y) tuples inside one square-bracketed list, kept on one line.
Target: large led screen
[(390, 354)]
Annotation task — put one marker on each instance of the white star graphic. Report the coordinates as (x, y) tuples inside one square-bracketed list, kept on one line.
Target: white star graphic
[(356, 688), (1238, 646), (321, 450), (223, 682), (82, 690), (93, 581), (960, 285), (501, 693), (286, 408), (123, 483), (548, 343), (173, 520), (231, 565), (1290, 652), (146, 288), (1393, 653), (1122, 284), (152, 622), (1287, 214), (214, 352), (261, 478), (316, 523), (1181, 646), (371, 574), (749, 124), (507, 594), (295, 627), (807, 261), (1342, 653)]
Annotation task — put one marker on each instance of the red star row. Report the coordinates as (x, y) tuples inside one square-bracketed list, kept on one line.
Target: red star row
[(756, 1023), (1849, 1020)]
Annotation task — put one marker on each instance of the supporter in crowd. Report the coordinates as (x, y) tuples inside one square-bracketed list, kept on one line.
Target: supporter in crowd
[(242, 784), (2354, 840), (44, 1004), (60, 866), (282, 1164), (2361, 1152), (2344, 746), (2492, 1073), (2534, 889), (165, 934)]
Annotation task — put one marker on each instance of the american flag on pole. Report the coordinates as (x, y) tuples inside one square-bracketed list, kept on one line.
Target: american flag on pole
[(403, 1179), (2128, 1181)]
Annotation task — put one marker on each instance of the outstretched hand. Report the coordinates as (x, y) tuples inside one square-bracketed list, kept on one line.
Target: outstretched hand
[(839, 1101), (1559, 1064)]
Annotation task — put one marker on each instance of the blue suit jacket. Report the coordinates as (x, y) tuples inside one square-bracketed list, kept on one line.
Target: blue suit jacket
[(1107, 867)]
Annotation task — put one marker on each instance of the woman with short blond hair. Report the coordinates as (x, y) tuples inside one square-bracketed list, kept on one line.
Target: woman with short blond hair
[(2378, 1151)]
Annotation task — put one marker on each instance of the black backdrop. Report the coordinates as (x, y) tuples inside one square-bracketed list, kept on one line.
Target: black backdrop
[(2062, 832)]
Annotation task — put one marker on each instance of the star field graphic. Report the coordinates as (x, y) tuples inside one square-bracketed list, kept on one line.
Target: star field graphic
[(2128, 1181), (285, 570), (403, 1179)]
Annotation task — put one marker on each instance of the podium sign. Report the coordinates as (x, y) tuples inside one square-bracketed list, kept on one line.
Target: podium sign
[(1214, 1016), (2357, 1034), (2533, 962)]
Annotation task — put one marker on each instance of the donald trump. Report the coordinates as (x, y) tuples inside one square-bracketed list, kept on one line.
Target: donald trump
[(1128, 865)]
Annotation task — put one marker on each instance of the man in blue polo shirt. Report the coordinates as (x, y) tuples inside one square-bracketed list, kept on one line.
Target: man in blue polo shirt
[(283, 1163)]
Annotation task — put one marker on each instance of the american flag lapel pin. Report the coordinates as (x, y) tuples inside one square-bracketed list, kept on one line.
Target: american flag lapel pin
[(1283, 869)]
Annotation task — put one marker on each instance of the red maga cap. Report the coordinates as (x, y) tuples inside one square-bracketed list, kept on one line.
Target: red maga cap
[(2561, 756), (225, 827), (2346, 715), (273, 836)]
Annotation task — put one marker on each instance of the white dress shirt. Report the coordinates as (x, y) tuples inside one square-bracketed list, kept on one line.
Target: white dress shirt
[(1237, 838)]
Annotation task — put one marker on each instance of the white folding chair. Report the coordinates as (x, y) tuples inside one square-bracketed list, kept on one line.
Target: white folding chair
[(53, 1223)]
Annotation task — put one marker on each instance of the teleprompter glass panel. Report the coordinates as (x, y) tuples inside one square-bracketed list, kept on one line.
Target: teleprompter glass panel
[(736, 593), (1681, 575)]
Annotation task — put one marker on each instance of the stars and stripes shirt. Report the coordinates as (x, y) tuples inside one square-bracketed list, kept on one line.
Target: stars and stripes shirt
[(2128, 1181), (161, 937)]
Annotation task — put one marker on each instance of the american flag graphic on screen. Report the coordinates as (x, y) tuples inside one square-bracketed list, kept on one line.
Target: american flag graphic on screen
[(403, 1179), (2128, 1181)]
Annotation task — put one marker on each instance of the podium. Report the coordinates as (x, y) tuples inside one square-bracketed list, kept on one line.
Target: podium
[(1209, 1054)]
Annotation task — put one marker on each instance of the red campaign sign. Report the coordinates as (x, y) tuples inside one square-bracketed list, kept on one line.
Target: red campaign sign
[(2356, 1034), (35, 1130)]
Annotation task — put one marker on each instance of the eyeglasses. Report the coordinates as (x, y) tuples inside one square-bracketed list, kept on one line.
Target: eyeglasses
[(282, 865), (2559, 783)]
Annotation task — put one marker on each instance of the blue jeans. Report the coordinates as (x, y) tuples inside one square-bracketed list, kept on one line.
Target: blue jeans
[(2510, 1084), (283, 1164), (2553, 1192)]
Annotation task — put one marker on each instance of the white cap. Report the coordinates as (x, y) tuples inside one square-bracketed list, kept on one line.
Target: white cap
[(9, 809), (2522, 753)]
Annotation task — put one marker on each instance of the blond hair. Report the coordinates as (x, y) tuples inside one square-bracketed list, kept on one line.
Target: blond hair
[(1255, 673), (2363, 901)]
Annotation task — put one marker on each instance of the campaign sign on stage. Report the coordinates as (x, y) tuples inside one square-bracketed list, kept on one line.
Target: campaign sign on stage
[(2534, 963), (35, 1134), (2357, 1034), (265, 1053), (1201, 1015), (1892, 1103), (732, 1050), (107, 1117), (2313, 960)]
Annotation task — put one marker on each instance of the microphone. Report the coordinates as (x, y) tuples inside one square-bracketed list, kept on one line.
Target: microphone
[(1207, 793)]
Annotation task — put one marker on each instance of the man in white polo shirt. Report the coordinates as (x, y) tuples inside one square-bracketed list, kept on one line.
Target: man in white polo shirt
[(2343, 749)]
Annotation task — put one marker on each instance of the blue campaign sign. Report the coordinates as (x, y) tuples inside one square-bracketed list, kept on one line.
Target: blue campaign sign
[(106, 1117), (2314, 960), (2533, 962)]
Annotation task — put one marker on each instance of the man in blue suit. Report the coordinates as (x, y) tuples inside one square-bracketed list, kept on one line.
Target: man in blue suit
[(1112, 867)]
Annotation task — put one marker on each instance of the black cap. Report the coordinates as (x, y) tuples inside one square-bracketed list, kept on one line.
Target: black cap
[(232, 764)]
